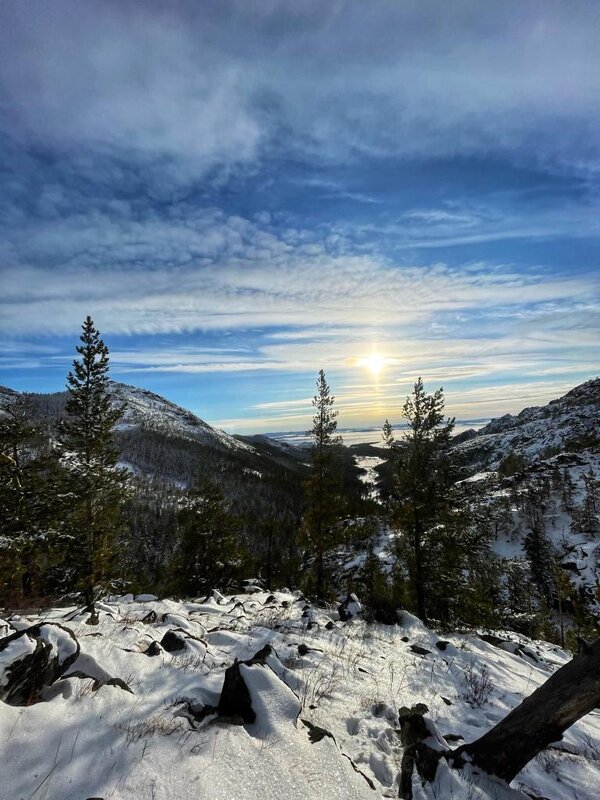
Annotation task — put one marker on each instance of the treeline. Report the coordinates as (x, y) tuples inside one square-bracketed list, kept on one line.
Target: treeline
[(77, 520), (183, 517)]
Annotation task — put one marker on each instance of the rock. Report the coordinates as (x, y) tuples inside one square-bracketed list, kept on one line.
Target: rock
[(172, 642), (94, 618), (349, 608), (448, 702), (423, 747), (420, 651), (154, 649), (442, 644), (453, 737), (303, 649), (315, 732), (404, 639), (34, 658), (150, 617), (180, 639), (112, 682), (235, 702)]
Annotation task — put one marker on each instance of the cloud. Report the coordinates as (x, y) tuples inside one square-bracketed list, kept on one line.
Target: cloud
[(218, 85)]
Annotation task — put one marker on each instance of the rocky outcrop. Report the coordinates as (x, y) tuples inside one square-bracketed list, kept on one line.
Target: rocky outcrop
[(34, 658)]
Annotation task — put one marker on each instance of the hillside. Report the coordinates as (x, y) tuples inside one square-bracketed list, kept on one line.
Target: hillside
[(137, 712), (569, 424)]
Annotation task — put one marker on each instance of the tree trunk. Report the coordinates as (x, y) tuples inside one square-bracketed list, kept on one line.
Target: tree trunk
[(542, 718)]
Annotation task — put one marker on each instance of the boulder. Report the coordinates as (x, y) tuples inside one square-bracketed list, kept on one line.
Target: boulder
[(33, 659), (235, 702)]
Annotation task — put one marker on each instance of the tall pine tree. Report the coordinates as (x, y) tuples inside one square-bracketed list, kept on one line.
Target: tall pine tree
[(422, 479), (322, 489), (97, 486)]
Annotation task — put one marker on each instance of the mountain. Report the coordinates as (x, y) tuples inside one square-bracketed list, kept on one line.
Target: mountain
[(537, 478), (160, 424), (146, 410), (570, 423), (168, 448)]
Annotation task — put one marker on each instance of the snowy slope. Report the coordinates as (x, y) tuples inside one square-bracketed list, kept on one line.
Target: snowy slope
[(348, 678), (564, 424), (145, 409)]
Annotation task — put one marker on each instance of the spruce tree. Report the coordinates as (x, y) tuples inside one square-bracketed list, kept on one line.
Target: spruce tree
[(97, 486), (422, 478), (323, 486)]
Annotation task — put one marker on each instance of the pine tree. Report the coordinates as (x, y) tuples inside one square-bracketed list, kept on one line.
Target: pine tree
[(208, 555), (30, 501), (97, 486), (323, 486), (422, 479)]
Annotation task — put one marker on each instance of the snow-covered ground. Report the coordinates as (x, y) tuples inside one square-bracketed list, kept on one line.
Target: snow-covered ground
[(349, 678), (369, 476)]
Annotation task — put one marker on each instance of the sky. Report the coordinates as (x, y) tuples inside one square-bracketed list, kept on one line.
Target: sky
[(241, 193)]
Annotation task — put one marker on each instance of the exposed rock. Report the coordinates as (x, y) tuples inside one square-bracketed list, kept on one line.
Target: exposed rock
[(150, 617), (315, 732), (34, 658), (154, 649), (179, 639), (112, 682), (423, 747), (172, 642), (235, 702), (420, 651)]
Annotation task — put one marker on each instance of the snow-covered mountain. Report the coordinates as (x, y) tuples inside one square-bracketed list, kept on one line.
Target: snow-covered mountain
[(149, 411), (570, 423)]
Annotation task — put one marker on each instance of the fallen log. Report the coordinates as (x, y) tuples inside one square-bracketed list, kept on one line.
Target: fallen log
[(542, 718)]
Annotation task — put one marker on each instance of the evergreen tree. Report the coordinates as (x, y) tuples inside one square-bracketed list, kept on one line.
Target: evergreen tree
[(422, 477), (538, 548), (30, 501), (208, 556), (97, 486), (590, 516), (323, 486)]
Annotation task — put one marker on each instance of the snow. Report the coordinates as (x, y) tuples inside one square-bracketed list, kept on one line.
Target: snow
[(369, 476), (350, 678), (16, 650), (149, 410)]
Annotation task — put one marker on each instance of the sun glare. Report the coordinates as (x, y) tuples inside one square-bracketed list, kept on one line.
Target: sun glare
[(374, 363)]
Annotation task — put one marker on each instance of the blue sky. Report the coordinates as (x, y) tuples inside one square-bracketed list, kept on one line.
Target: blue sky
[(242, 193)]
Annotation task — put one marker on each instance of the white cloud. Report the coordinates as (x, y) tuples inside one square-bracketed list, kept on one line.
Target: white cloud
[(213, 89)]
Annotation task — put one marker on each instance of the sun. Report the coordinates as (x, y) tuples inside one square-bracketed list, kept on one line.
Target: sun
[(374, 363)]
